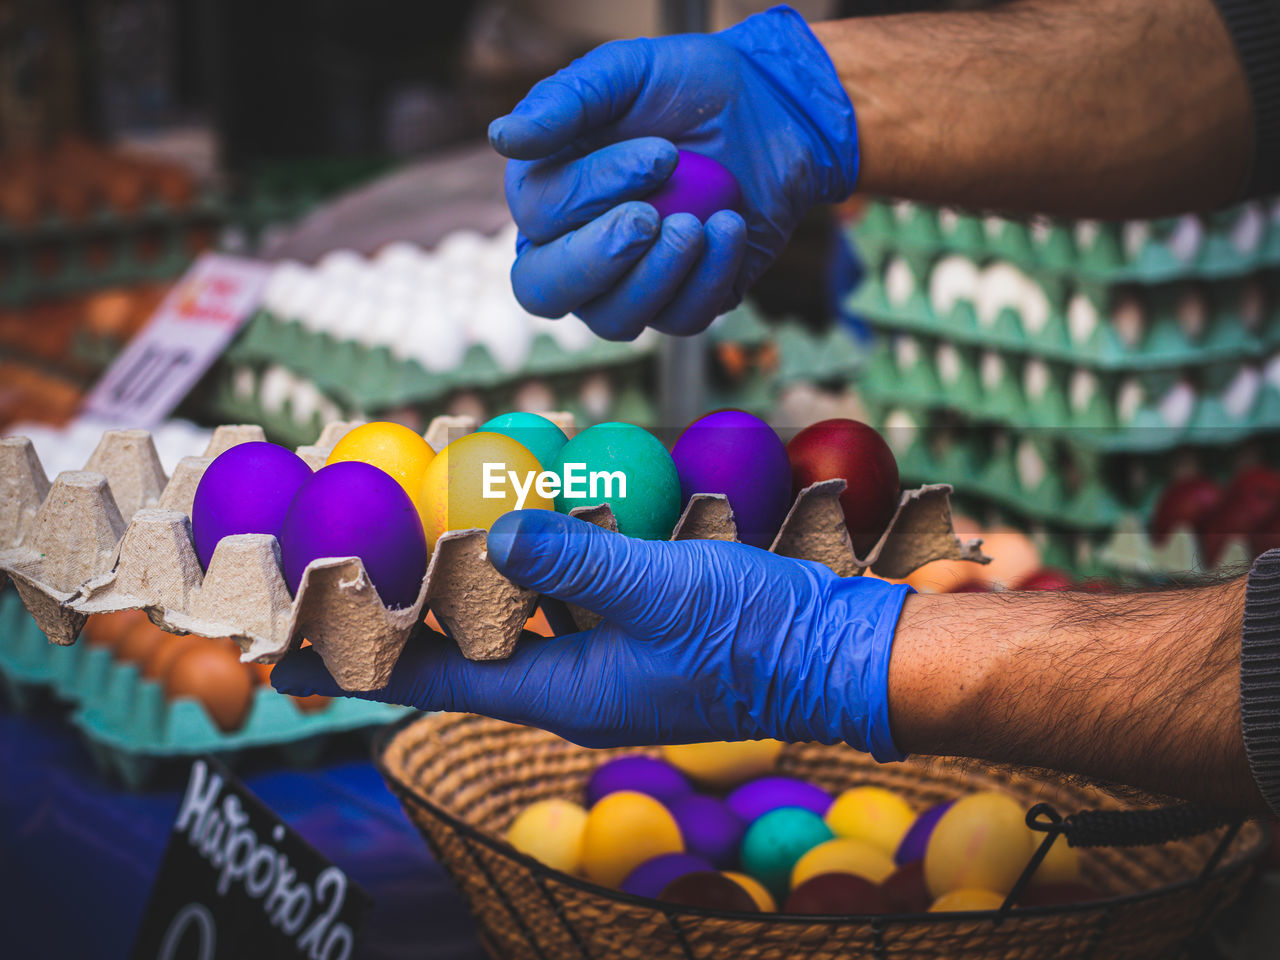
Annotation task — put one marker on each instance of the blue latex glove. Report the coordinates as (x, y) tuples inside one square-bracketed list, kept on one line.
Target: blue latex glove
[(702, 640), (589, 142)]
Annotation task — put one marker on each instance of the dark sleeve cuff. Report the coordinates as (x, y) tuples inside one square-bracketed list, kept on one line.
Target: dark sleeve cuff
[(1254, 26), (1260, 676)]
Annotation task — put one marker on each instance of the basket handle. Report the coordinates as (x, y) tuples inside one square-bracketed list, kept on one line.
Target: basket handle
[(1123, 828)]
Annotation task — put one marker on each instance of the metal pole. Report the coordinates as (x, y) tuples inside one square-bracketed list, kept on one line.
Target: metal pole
[(682, 370)]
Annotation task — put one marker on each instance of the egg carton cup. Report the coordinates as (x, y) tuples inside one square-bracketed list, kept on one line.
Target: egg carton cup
[(1001, 306), (117, 536), (1110, 411), (1231, 242), (132, 728)]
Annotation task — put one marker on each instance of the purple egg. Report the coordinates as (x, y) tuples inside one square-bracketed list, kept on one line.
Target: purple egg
[(916, 839), (753, 800), (739, 455), (247, 489), (651, 877), (709, 828), (698, 185), (642, 774), (352, 509)]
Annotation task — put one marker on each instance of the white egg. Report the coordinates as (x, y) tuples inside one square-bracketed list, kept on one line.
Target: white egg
[(953, 278), (301, 297), (330, 312), (1271, 371), (506, 237), (999, 286), (1082, 319), (948, 364), (570, 333), (1134, 235), (1178, 404), (341, 264), (1252, 305), (389, 326), (1192, 311), (1033, 307), (1128, 319), (436, 343), (244, 383), (1130, 398), (906, 352), (499, 325), (461, 246), (901, 430), (1249, 228), (1241, 394), (1035, 379), (903, 210), (1082, 389), (948, 220), (468, 403), (1041, 229), (1030, 465), (304, 402), (899, 283), (360, 322), (281, 286), (1186, 239), (991, 370), (1086, 234), (993, 227), (397, 257), (276, 387), (595, 393), (534, 396)]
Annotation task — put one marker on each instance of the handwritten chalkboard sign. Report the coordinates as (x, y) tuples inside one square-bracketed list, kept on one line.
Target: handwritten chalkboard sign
[(235, 882)]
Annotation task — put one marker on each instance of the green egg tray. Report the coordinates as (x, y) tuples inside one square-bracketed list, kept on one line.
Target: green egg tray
[(1241, 317), (1216, 404), (54, 256), (1229, 243), (132, 730)]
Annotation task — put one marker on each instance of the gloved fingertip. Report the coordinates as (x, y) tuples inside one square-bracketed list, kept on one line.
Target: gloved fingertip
[(727, 224), (302, 673), (513, 539), (520, 138)]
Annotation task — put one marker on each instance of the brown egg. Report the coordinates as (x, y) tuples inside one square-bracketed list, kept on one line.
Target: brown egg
[(141, 642), (312, 704), (1013, 557), (214, 675), (261, 673), (157, 665), (108, 629), (108, 313)]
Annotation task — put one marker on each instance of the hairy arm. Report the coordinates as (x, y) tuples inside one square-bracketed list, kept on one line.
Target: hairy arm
[(1138, 689), (1100, 108)]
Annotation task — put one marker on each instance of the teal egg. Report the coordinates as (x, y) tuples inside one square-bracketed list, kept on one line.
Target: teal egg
[(537, 434), (774, 843), (651, 506)]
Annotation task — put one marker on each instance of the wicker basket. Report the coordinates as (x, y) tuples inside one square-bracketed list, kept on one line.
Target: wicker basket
[(463, 779)]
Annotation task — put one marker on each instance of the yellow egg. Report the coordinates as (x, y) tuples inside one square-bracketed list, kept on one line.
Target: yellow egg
[(872, 814), (623, 830), (982, 842), (967, 898), (843, 855), (724, 764), (763, 898), (551, 831), (391, 448), (1060, 865), (470, 484)]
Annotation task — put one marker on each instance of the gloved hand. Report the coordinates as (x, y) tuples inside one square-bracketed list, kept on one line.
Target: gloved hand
[(702, 640), (589, 142)]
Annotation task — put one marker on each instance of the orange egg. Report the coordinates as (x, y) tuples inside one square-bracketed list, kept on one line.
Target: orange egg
[(1013, 556), (213, 675), (108, 629), (161, 658), (141, 642), (313, 703), (945, 576), (261, 673)]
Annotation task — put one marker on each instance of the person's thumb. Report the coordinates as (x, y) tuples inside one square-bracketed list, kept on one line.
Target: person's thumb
[(591, 92)]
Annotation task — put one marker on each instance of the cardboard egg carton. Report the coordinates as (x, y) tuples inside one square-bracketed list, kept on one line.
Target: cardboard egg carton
[(1231, 242), (1104, 410), (117, 536), (1002, 305)]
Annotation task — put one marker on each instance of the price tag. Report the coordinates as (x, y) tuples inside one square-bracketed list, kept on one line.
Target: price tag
[(236, 882), (186, 334)]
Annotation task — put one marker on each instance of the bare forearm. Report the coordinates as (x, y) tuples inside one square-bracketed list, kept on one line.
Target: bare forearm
[(1139, 689), (1106, 108)]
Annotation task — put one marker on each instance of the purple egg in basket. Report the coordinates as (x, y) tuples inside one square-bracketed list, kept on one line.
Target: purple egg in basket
[(739, 455), (651, 877), (352, 509), (247, 489), (916, 839), (698, 185), (648, 775), (709, 828), (753, 800)]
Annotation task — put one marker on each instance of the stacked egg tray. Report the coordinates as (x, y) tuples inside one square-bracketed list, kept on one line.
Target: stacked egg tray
[(134, 732), (106, 247), (1058, 370), (117, 536)]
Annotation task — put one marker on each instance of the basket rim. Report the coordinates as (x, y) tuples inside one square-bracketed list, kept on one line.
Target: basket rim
[(390, 731)]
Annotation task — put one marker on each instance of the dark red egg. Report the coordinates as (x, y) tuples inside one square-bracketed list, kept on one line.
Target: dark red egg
[(1058, 894), (855, 453), (710, 891), (837, 894), (1244, 511), (1046, 578), (1184, 503), (905, 889)]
